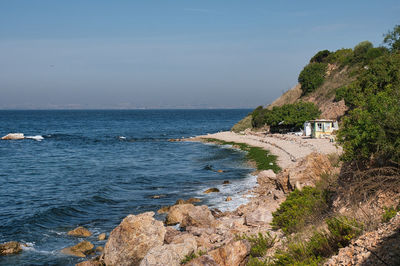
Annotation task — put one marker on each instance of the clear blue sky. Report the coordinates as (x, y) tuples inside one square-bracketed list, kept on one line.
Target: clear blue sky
[(149, 53)]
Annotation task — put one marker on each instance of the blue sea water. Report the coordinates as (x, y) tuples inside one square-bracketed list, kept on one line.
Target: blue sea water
[(93, 168)]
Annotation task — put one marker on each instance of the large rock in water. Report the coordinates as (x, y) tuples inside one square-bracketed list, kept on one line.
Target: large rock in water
[(190, 215), (13, 136), (79, 250), (130, 241), (171, 254), (80, 232), (233, 253), (9, 248)]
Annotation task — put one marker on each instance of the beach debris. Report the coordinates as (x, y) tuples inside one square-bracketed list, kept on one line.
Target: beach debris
[(79, 250), (8, 248), (130, 241), (13, 136), (80, 232), (102, 236), (211, 190)]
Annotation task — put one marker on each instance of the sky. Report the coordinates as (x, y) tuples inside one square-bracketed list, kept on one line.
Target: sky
[(123, 54)]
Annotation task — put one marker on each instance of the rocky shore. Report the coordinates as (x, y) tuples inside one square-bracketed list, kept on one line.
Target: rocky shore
[(196, 235)]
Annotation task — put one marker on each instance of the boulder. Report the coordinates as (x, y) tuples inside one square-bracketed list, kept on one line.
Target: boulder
[(8, 248), (171, 254), (79, 250), (211, 190), (89, 263), (205, 260), (170, 234), (130, 241), (260, 216), (13, 136), (80, 232), (102, 236), (233, 253), (266, 178), (190, 215)]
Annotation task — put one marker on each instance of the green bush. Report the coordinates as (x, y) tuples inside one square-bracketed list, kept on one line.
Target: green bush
[(312, 77), (294, 212), (392, 39), (321, 245), (259, 243), (371, 128), (361, 50), (320, 56), (389, 213), (289, 115), (340, 57)]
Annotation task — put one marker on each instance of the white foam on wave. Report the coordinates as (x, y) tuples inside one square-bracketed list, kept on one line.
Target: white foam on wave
[(122, 137), (37, 137), (238, 190)]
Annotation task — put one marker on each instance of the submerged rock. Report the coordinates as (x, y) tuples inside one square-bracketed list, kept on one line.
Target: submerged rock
[(192, 200), (13, 136), (102, 236), (226, 182), (210, 190), (79, 250), (80, 232), (130, 241), (8, 248)]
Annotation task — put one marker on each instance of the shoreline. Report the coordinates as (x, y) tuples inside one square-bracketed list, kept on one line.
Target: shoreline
[(194, 230)]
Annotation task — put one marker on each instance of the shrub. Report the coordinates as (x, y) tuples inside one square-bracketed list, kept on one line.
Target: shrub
[(259, 243), (392, 39), (298, 207), (289, 115), (340, 57), (360, 51), (389, 213), (320, 56), (312, 76), (321, 245)]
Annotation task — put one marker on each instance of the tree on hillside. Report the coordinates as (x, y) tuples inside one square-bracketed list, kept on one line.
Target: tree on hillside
[(392, 39), (312, 76)]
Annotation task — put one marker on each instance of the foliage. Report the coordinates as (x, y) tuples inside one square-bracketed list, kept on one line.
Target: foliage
[(255, 262), (243, 124), (293, 213), (370, 130), (292, 115), (320, 56), (392, 39), (192, 256), (321, 245), (312, 76), (389, 213), (361, 50), (262, 158), (259, 243), (340, 57)]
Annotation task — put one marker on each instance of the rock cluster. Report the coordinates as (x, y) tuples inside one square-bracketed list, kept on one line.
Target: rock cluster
[(9, 248)]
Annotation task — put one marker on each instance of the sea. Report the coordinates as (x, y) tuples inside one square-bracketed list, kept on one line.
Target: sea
[(92, 168)]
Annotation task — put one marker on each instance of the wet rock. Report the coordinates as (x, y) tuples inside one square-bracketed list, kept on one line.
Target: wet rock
[(157, 196), (102, 236), (13, 136), (164, 209), (99, 249), (220, 171), (190, 215), (79, 250), (192, 200), (8, 248), (80, 232), (130, 241), (226, 182), (171, 254), (89, 263), (228, 198), (211, 190)]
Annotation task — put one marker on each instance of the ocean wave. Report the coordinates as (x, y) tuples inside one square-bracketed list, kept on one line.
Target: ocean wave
[(37, 137)]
